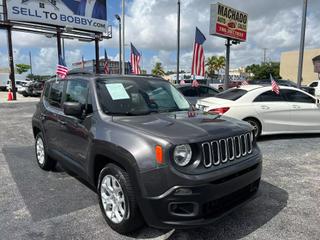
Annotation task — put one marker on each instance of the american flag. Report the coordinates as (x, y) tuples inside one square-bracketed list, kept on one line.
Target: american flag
[(106, 65), (62, 69), (182, 82), (198, 68), (135, 60), (195, 83), (274, 86), (244, 83)]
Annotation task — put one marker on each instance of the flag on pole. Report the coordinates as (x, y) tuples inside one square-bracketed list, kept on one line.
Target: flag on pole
[(195, 83), (274, 86), (198, 67), (62, 69), (106, 64), (244, 83), (135, 60)]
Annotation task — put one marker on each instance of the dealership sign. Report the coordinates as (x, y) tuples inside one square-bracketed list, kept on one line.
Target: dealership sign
[(79, 14), (227, 22)]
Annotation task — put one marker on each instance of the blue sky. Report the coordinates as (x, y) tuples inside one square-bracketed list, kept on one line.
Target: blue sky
[(151, 27)]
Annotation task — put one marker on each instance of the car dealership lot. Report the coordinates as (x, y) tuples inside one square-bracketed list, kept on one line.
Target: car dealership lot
[(37, 205)]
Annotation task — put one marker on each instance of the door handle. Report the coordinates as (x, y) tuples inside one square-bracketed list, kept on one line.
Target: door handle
[(265, 107), (62, 122), (296, 107)]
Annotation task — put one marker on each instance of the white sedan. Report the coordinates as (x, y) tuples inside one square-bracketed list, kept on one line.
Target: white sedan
[(292, 111)]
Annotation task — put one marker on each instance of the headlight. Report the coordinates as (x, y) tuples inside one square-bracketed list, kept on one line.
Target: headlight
[(182, 155)]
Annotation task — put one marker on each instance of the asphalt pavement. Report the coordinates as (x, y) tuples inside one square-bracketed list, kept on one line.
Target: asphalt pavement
[(38, 205)]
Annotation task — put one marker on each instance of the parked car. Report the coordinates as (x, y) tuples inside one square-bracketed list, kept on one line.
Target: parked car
[(21, 85), (134, 140), (195, 93), (3, 84), (292, 111), (218, 84), (316, 86), (33, 89), (282, 82)]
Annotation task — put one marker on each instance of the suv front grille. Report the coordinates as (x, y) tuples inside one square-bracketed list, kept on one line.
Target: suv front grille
[(227, 149)]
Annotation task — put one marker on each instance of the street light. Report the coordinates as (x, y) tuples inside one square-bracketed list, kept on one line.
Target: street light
[(120, 52)]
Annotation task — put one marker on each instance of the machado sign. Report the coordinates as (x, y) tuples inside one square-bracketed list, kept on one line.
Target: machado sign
[(87, 15), (227, 22)]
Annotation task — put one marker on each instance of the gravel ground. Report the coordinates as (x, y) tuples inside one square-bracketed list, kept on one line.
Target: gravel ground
[(37, 205)]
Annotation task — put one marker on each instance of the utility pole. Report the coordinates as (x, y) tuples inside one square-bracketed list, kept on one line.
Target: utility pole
[(302, 39), (226, 74), (30, 62), (178, 42), (265, 55), (123, 38), (10, 50), (97, 39)]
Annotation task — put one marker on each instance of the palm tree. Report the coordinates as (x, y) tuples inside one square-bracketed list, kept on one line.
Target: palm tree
[(158, 70), (215, 64)]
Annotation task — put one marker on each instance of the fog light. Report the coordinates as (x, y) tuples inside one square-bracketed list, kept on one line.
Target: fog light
[(183, 192)]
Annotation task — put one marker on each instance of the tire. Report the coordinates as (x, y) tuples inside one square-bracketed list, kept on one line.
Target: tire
[(129, 218), (256, 126), (43, 160)]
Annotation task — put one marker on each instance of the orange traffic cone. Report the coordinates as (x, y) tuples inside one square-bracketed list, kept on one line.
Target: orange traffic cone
[(10, 96)]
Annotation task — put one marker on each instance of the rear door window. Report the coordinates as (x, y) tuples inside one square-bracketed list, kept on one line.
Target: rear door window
[(270, 96), (189, 92), (56, 91)]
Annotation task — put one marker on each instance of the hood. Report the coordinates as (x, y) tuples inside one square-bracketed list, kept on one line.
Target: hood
[(180, 128)]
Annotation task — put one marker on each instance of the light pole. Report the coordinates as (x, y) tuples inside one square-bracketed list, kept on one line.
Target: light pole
[(123, 37), (302, 39), (120, 45), (178, 42), (30, 61)]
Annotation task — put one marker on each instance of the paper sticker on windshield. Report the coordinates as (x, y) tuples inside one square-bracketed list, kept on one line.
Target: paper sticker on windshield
[(117, 91)]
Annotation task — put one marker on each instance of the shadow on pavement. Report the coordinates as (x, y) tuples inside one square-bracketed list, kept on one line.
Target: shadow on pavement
[(244, 220), (46, 194), (287, 137)]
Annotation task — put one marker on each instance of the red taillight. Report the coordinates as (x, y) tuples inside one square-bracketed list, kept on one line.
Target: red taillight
[(219, 110)]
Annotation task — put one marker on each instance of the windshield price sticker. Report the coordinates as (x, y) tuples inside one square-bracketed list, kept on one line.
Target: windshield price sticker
[(117, 91)]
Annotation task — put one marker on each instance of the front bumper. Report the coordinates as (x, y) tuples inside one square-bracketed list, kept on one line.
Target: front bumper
[(190, 206)]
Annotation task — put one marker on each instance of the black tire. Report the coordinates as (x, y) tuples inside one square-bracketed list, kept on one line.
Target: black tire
[(256, 125), (45, 163), (132, 219)]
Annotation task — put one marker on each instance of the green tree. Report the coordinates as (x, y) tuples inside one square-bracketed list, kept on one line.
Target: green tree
[(22, 68), (143, 71), (158, 70), (215, 64), (263, 71)]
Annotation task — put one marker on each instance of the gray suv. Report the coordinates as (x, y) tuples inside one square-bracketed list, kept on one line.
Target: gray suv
[(150, 157)]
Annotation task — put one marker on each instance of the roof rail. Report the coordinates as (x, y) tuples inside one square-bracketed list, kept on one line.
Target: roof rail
[(76, 71)]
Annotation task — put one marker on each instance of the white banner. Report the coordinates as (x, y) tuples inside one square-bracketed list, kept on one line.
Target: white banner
[(80, 14)]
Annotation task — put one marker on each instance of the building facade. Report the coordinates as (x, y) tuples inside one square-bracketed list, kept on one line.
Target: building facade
[(289, 66), (90, 66)]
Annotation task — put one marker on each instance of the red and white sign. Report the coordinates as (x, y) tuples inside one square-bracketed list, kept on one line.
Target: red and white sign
[(227, 22)]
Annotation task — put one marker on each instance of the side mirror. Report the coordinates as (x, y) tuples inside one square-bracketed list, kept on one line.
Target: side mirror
[(318, 102), (72, 109)]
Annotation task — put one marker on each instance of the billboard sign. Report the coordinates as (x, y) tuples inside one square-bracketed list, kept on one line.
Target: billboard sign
[(87, 15), (228, 22)]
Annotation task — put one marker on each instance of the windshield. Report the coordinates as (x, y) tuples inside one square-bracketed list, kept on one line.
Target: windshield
[(139, 96), (232, 94)]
